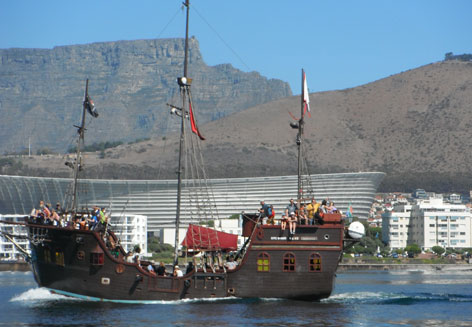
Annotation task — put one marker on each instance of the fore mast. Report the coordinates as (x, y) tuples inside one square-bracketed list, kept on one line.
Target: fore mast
[(184, 84)]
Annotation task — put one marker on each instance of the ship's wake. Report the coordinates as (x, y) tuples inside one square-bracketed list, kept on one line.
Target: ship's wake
[(42, 297), (381, 298), (39, 296)]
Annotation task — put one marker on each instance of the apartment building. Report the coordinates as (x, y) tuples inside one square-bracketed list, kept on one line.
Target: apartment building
[(429, 222), (395, 224)]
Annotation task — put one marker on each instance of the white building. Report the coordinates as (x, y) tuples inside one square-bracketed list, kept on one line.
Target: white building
[(395, 224), (130, 229), (435, 222), (8, 251), (429, 222)]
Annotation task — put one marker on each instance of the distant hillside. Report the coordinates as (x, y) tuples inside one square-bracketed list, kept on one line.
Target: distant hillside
[(41, 91), (416, 126)]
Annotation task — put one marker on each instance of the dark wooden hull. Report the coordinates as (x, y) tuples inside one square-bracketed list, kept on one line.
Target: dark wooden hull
[(78, 263)]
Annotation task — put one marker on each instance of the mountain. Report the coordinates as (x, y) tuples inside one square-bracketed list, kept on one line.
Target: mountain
[(41, 91), (415, 126)]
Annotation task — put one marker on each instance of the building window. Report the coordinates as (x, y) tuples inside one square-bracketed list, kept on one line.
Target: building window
[(289, 262), (315, 262), (263, 262)]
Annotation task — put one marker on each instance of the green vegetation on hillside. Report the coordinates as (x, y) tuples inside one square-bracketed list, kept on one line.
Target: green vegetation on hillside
[(96, 147), (462, 57)]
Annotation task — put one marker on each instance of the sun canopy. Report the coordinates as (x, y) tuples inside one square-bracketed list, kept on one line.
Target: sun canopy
[(203, 238)]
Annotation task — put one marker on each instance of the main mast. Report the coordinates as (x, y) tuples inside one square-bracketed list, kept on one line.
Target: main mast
[(299, 142), (184, 86)]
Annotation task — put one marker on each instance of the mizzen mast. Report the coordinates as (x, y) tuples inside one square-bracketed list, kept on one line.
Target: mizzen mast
[(300, 140), (80, 142)]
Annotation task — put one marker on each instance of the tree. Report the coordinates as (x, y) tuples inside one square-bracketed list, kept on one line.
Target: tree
[(413, 248), (438, 250)]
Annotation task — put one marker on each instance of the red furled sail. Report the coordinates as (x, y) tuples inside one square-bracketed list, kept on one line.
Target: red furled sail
[(208, 239), (193, 123)]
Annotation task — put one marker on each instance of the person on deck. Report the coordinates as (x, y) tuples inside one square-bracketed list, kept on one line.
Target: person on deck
[(178, 272), (94, 220), (59, 208), (129, 257), (312, 208), (324, 206), (292, 223), (264, 211), (190, 268), (150, 268), (231, 264), (291, 216), (291, 208), (302, 215), (161, 270), (283, 222), (331, 208), (45, 210), (271, 216)]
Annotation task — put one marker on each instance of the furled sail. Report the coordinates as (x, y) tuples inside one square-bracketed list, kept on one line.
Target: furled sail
[(208, 239)]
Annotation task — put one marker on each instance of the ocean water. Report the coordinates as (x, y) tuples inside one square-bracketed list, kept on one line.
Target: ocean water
[(370, 298)]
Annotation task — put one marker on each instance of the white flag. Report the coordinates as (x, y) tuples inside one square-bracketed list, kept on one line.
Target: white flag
[(306, 96)]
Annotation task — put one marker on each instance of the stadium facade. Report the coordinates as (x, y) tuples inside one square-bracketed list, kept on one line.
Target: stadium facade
[(156, 199)]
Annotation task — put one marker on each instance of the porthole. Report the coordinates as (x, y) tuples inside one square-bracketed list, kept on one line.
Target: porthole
[(326, 236), (260, 234), (80, 255), (120, 268)]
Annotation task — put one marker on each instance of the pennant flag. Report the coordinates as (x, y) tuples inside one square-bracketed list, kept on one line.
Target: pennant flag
[(193, 124), (306, 95), (349, 211), (88, 103)]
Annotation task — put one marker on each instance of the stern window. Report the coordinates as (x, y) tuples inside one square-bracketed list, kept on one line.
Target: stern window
[(263, 262), (315, 262), (289, 262)]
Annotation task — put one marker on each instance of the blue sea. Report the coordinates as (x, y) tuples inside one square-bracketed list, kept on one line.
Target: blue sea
[(369, 298)]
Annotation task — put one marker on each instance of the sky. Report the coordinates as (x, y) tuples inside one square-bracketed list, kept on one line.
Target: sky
[(339, 43)]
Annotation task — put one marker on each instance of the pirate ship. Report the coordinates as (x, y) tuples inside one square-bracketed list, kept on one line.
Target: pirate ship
[(272, 263)]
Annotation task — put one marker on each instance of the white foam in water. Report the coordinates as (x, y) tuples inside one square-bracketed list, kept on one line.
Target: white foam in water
[(37, 295), (359, 297)]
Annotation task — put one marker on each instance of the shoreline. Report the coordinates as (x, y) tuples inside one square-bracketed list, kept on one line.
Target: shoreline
[(15, 266), (343, 267)]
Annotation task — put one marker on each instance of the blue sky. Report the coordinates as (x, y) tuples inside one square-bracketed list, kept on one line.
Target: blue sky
[(340, 44)]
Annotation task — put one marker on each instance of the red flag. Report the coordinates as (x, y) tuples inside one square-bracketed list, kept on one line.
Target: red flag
[(193, 124)]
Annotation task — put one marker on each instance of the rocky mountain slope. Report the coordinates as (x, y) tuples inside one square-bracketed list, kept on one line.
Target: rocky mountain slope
[(41, 91), (415, 126)]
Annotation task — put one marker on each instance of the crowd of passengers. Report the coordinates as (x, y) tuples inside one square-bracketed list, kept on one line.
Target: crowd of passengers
[(211, 262), (97, 219), (303, 214), (46, 214)]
